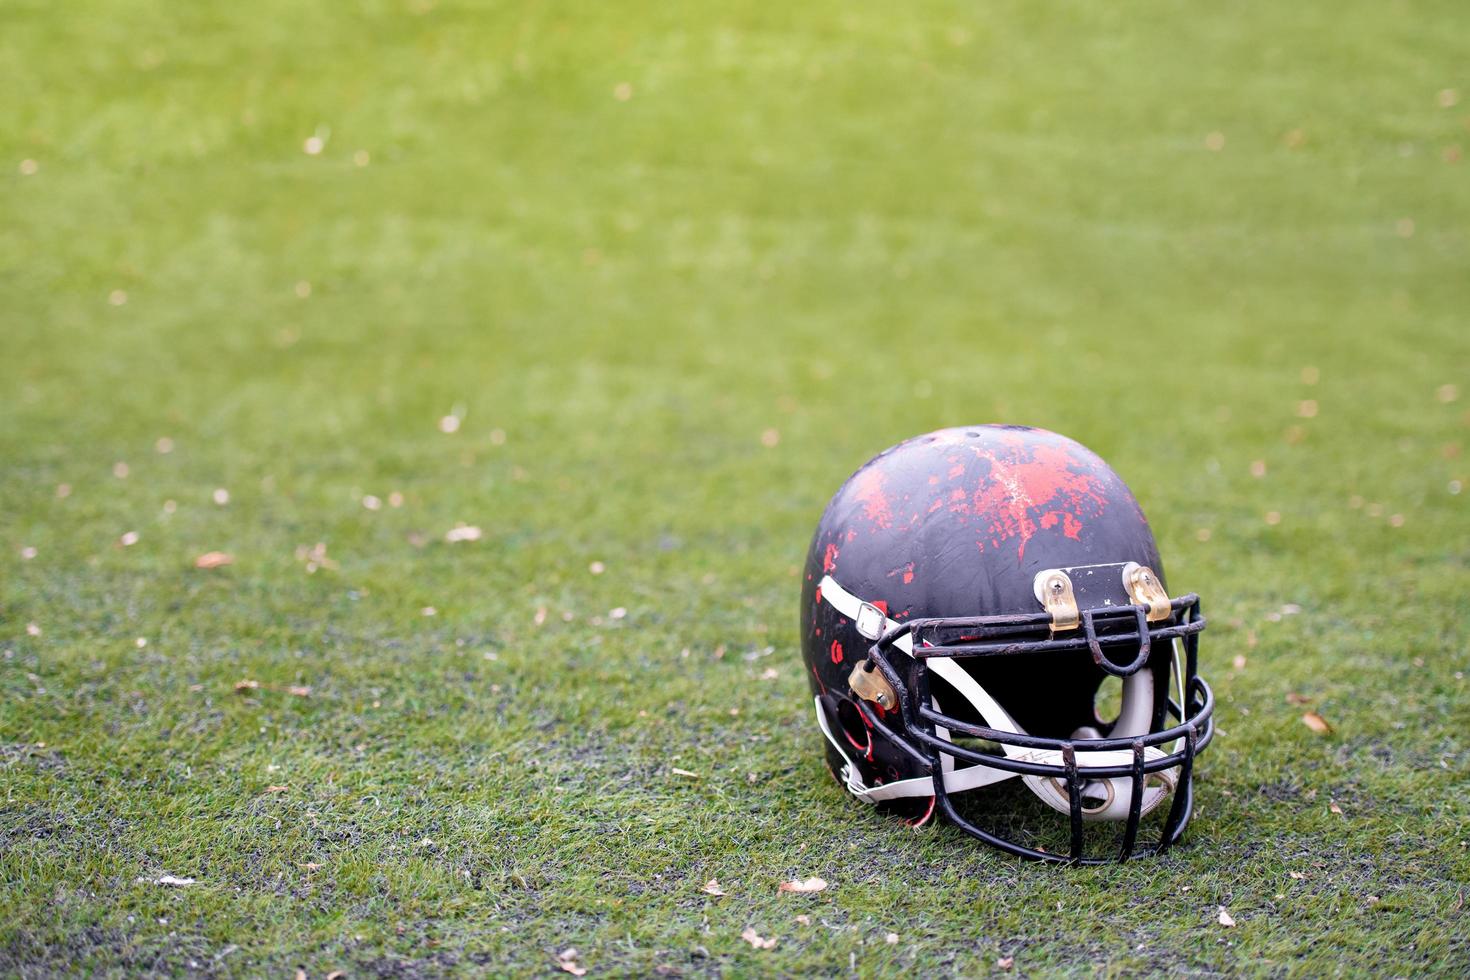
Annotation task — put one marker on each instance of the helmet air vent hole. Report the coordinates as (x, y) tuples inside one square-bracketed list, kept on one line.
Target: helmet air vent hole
[(853, 729)]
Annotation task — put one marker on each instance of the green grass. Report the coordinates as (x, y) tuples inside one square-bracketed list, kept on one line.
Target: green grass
[(844, 223)]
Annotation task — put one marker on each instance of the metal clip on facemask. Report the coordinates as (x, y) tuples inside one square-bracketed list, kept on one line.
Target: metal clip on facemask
[(868, 683), (1054, 592), (1143, 587)]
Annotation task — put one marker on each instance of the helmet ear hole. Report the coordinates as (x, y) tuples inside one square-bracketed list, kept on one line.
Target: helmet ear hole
[(1107, 703), (850, 720)]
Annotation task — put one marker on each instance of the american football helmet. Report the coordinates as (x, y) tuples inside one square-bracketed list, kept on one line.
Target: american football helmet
[(967, 596)]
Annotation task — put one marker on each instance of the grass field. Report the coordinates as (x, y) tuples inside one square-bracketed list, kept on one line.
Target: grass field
[(675, 272)]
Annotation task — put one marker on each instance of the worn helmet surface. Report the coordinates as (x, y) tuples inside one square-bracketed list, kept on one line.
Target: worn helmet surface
[(966, 597)]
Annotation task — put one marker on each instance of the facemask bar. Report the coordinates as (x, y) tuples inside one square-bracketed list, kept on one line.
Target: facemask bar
[(1000, 636), (1006, 635)]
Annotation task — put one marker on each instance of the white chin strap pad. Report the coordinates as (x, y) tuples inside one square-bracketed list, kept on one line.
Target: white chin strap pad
[(1103, 799)]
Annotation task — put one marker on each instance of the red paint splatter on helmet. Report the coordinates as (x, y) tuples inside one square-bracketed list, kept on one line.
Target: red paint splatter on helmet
[(868, 490), (1034, 487)]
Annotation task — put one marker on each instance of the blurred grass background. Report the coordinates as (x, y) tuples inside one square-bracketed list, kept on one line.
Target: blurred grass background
[(675, 272)]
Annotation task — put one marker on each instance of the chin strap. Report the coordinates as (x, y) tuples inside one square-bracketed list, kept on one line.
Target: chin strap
[(1134, 719), (955, 780)]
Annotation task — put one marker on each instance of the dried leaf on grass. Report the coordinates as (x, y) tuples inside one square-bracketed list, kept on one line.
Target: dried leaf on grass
[(567, 961), (712, 887), (684, 772), (1316, 723), (756, 940), (214, 559), (804, 886), (463, 532), (315, 557), (1293, 697), (1226, 919), (246, 684)]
